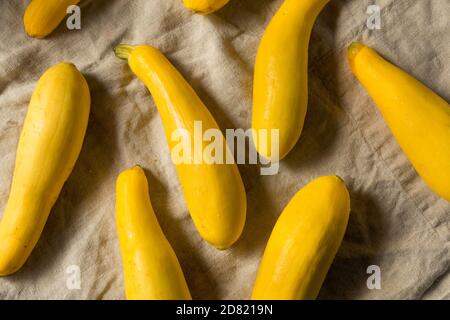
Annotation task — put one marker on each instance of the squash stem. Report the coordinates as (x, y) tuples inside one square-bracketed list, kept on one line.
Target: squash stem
[(123, 51)]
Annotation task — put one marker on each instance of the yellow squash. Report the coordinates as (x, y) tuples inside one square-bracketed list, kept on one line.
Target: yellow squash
[(280, 87), (43, 16), (49, 145), (214, 193), (204, 6), (151, 268), (304, 242), (418, 117)]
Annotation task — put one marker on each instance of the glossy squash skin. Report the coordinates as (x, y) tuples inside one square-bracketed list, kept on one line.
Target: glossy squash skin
[(205, 6), (280, 86), (49, 145), (43, 16), (214, 193), (151, 268), (418, 118), (304, 242)]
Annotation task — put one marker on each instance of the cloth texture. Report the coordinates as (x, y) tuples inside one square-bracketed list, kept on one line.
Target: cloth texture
[(396, 221)]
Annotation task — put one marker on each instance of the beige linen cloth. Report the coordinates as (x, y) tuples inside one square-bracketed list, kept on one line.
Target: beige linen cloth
[(396, 222)]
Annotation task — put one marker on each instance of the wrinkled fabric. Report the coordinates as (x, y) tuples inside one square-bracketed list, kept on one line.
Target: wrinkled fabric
[(396, 222)]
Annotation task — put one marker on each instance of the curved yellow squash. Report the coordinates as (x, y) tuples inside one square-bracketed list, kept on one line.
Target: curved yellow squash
[(280, 86), (204, 6), (49, 145), (151, 268), (304, 242), (43, 16), (418, 117), (214, 193)]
